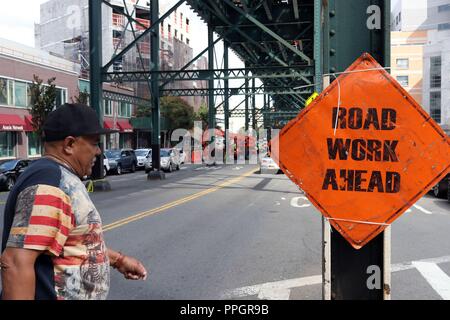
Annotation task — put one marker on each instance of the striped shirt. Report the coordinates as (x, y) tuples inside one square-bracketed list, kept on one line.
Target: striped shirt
[(49, 210)]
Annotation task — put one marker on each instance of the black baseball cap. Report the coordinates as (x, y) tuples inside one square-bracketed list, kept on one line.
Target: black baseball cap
[(72, 119)]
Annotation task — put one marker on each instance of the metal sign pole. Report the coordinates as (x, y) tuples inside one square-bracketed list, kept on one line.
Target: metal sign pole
[(349, 273)]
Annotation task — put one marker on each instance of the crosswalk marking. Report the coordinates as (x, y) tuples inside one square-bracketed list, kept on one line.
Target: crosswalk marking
[(277, 290), (437, 278), (422, 209)]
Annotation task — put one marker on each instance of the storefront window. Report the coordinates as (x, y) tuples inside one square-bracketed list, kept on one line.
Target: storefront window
[(34, 144), (7, 144), (125, 140)]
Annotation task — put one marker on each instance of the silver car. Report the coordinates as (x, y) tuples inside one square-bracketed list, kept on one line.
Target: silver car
[(142, 155), (170, 160)]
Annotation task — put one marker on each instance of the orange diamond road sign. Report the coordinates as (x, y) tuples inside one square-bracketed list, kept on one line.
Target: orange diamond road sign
[(363, 160)]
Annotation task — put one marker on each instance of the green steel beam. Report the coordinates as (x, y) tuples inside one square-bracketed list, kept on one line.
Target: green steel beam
[(318, 45), (116, 96), (272, 72), (268, 31), (95, 58), (246, 101), (226, 106), (233, 91), (253, 106), (211, 104), (155, 94), (249, 39)]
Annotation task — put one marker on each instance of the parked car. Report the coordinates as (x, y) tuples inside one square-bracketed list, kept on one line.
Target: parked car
[(121, 159), (170, 160), (141, 155), (441, 189), (10, 171), (106, 167)]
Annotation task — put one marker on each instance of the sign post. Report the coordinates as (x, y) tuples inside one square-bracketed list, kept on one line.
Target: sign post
[(363, 152)]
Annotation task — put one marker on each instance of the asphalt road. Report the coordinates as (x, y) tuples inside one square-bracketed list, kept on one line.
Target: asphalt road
[(227, 233)]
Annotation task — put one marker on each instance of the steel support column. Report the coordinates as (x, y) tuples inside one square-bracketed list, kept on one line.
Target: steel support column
[(211, 105), (253, 105), (226, 105), (156, 112), (246, 99), (95, 56)]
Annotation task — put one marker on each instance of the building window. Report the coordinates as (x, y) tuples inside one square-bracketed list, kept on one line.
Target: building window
[(124, 140), (435, 106), (435, 72), (3, 91), (181, 19), (187, 41), (399, 17), (7, 144), (34, 144), (11, 92), (107, 107), (181, 37), (443, 26), (403, 80), (403, 63), (176, 34), (20, 94), (61, 96), (187, 25), (124, 109), (444, 7)]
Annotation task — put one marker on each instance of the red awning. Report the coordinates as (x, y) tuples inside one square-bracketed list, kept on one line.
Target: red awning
[(108, 124), (28, 124), (11, 122), (125, 126)]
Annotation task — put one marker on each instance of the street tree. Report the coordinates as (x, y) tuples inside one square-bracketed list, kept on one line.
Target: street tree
[(42, 100), (178, 112)]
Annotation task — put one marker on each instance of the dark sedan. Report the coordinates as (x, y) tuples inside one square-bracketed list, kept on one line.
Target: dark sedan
[(10, 171)]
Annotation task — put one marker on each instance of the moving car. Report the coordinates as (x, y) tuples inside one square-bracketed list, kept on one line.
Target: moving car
[(170, 160), (10, 171), (121, 159), (269, 166), (182, 156), (141, 155)]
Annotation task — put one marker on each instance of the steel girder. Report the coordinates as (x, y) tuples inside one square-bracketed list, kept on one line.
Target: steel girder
[(198, 75), (233, 91)]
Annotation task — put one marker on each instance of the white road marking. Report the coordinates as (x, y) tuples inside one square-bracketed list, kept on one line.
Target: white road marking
[(437, 278), (283, 198), (281, 289), (295, 202), (183, 168), (422, 209)]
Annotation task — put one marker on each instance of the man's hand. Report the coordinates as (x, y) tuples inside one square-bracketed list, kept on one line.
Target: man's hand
[(130, 267)]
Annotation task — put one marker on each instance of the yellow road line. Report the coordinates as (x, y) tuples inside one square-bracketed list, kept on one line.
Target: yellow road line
[(175, 203)]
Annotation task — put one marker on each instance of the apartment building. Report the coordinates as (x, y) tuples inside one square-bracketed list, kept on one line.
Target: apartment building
[(411, 21), (407, 52), (70, 18)]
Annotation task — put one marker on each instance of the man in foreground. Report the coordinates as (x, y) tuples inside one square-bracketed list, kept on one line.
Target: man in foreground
[(52, 245)]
